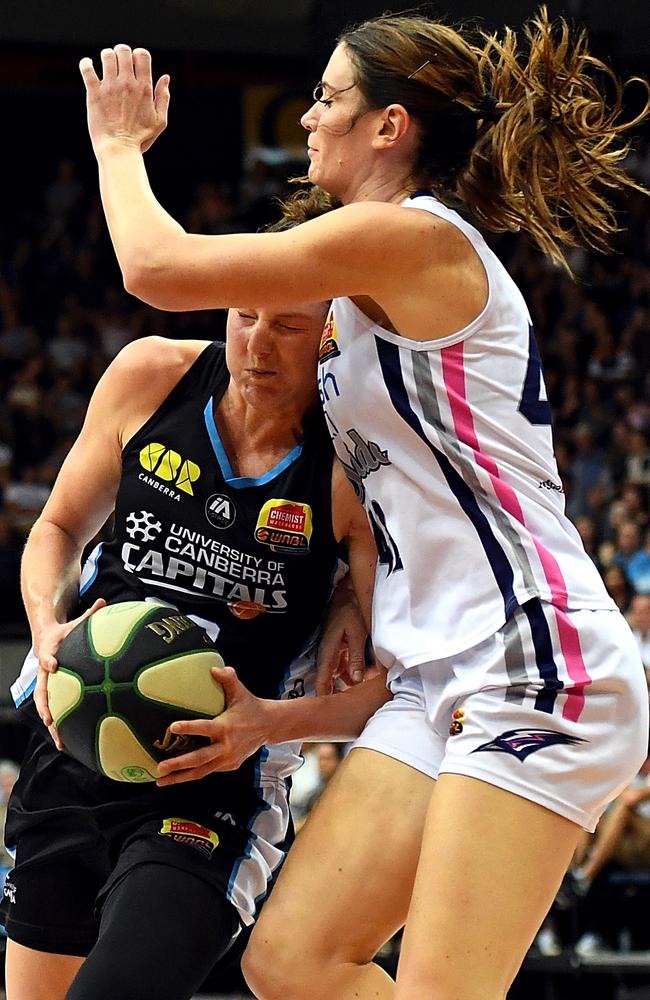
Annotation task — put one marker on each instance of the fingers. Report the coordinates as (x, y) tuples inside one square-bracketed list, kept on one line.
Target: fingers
[(193, 766), (187, 761), (90, 78), (227, 677), (120, 61), (327, 666), (48, 663), (43, 708), (99, 603), (109, 65), (196, 727), (324, 684), (161, 98), (124, 58), (178, 777), (54, 733), (40, 698), (142, 65)]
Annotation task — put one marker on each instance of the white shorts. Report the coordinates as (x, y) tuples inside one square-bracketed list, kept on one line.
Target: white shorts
[(554, 708)]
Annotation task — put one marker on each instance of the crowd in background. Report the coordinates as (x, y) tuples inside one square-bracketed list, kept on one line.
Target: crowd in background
[(64, 316)]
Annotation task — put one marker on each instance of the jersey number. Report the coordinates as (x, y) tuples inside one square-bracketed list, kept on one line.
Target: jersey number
[(386, 546), (535, 409)]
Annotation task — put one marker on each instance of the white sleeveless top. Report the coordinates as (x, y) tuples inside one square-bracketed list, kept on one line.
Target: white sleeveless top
[(448, 443)]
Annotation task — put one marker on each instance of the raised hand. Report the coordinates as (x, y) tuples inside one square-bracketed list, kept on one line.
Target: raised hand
[(123, 106)]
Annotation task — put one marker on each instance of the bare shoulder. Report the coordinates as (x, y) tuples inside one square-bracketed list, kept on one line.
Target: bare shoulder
[(140, 378), (157, 356)]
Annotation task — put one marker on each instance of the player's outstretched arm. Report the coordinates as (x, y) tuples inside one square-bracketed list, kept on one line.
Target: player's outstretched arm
[(334, 255)]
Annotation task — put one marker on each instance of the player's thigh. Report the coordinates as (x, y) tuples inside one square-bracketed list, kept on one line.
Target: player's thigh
[(38, 975), (489, 869), (346, 885)]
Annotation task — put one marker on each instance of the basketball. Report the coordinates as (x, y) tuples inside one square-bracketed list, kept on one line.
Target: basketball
[(125, 674)]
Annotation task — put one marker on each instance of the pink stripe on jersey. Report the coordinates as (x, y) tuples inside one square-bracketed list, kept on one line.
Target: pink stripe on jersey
[(572, 653), (453, 373)]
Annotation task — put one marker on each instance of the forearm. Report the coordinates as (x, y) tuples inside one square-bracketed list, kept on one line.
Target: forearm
[(49, 575), (139, 227), (339, 716)]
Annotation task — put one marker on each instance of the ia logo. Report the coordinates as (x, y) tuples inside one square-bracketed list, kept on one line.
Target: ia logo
[(220, 510)]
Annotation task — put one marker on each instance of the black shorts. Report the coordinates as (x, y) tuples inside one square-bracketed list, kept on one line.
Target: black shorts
[(78, 835)]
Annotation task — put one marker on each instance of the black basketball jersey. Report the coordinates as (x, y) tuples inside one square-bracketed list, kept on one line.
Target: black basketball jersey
[(253, 560), (254, 557)]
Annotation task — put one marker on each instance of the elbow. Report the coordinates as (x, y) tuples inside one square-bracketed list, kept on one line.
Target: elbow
[(157, 285), (143, 280)]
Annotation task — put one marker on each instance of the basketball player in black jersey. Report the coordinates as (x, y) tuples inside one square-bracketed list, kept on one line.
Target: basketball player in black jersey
[(227, 506)]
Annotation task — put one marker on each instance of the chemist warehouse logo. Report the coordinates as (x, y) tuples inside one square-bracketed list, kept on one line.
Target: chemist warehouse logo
[(285, 526), (168, 466), (329, 343)]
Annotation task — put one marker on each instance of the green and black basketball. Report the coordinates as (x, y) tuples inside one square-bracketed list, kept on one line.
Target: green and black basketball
[(125, 674)]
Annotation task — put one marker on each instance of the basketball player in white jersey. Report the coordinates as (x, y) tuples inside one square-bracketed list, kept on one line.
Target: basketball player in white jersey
[(520, 705)]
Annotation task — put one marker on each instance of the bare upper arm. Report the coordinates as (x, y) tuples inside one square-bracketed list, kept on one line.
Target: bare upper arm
[(421, 270), (130, 390)]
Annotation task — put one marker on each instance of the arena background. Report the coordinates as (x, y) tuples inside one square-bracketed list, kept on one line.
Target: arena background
[(241, 74)]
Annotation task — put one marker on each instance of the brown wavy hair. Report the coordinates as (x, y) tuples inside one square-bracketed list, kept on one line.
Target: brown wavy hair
[(516, 125), (305, 203)]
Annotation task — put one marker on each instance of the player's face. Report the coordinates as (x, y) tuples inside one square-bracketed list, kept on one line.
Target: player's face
[(340, 128), (272, 355)]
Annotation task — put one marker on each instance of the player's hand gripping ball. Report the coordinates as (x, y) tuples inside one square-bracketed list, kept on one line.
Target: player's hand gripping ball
[(125, 674)]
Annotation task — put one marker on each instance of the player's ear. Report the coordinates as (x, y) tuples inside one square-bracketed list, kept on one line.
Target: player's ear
[(394, 124)]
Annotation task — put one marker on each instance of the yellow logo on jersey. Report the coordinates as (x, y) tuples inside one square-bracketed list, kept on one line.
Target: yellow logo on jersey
[(285, 525), (169, 465), (329, 344)]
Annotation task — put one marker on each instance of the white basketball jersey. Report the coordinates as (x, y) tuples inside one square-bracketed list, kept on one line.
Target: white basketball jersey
[(448, 444)]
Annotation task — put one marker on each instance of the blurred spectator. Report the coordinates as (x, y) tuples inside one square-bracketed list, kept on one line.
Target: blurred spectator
[(622, 838), (589, 537), (639, 619), (628, 544), (8, 775), (328, 756), (588, 470), (638, 568), (11, 607), (25, 498), (618, 587), (637, 464), (64, 192), (213, 212), (67, 350)]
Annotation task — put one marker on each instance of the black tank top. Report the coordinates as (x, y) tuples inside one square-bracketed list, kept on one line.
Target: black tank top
[(256, 557)]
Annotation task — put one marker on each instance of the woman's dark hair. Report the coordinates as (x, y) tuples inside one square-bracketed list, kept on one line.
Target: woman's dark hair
[(516, 126)]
